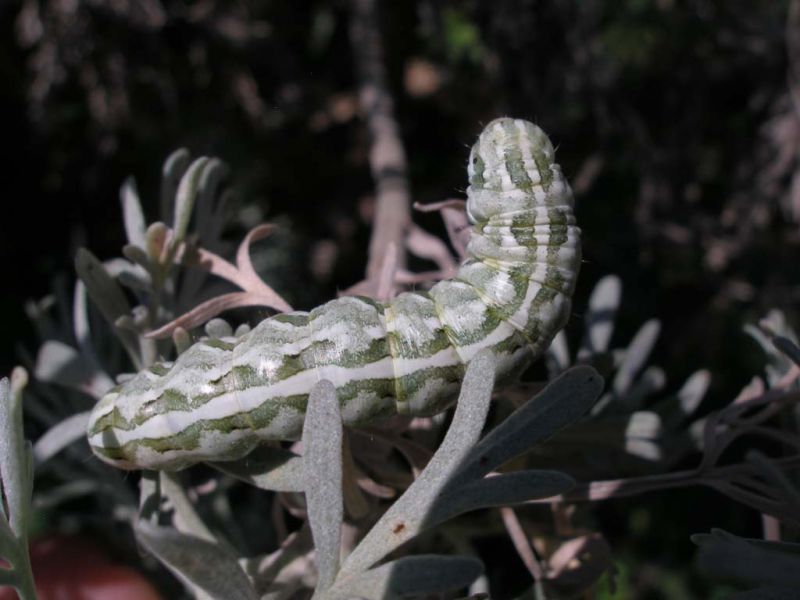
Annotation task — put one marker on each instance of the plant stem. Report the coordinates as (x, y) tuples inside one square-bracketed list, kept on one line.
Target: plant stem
[(387, 156)]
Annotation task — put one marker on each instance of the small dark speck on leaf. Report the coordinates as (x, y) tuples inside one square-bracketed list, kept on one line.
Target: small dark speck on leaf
[(398, 528)]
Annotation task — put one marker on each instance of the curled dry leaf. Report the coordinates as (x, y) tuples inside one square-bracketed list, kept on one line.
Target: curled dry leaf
[(455, 219), (242, 274), (425, 245), (209, 309)]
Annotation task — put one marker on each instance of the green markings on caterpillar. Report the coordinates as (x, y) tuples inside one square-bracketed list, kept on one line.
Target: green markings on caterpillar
[(223, 397)]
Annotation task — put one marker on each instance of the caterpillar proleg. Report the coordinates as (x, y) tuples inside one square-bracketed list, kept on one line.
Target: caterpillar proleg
[(223, 397)]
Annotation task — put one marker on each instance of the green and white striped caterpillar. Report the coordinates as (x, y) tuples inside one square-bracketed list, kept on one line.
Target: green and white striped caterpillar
[(223, 397)]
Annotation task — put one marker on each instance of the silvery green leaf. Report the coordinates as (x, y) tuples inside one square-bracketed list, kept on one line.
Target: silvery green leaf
[(14, 469), (603, 305), (501, 490), (186, 518), (277, 571), (558, 354), (201, 565), (407, 516), (561, 403), (102, 288), (185, 198), (643, 449), (137, 254), (155, 238), (788, 347), (409, 576), (149, 495), (322, 456), (212, 176), (651, 381), (132, 214), (107, 296), (66, 492), (273, 469), (218, 328), (643, 424), (181, 339), (60, 436), (62, 364), (80, 320), (174, 167), (636, 356), (130, 274), (16, 487), (693, 391)]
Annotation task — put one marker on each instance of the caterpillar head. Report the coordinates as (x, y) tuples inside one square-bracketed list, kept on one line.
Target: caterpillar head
[(511, 168)]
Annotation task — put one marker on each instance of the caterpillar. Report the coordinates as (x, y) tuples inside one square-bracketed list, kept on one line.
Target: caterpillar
[(222, 397)]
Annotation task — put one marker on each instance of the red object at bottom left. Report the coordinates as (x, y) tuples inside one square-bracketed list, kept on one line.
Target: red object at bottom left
[(71, 567)]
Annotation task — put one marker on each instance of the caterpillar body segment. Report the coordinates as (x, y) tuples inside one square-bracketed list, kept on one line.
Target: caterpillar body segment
[(223, 397)]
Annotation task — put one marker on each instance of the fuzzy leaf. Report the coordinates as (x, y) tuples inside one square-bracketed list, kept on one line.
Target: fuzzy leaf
[(186, 518), (218, 329), (322, 455), (62, 364), (693, 391), (407, 516), (501, 490), (603, 305), (60, 436), (107, 296), (198, 563), (273, 469), (15, 473), (410, 576), (103, 290), (132, 214), (185, 198), (174, 167), (636, 355), (212, 176), (788, 347), (149, 495), (561, 403)]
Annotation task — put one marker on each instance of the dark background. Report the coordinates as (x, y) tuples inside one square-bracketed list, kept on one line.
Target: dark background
[(674, 120)]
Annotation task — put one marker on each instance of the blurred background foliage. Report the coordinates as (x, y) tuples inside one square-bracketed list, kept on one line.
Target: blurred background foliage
[(677, 122)]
